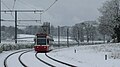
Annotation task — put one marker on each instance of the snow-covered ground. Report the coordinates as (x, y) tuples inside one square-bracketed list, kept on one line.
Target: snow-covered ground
[(81, 56), (90, 56)]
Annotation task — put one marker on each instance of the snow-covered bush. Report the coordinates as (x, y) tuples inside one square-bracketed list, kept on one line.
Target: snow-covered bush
[(7, 47), (114, 55)]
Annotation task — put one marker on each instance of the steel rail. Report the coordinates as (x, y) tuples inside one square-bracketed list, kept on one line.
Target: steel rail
[(19, 58), (44, 61), (5, 60), (60, 61)]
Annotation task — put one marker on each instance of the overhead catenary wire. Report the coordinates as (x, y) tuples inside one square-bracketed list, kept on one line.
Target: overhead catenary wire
[(29, 6), (7, 8), (14, 4), (51, 5), (47, 9), (26, 4), (5, 5), (35, 8)]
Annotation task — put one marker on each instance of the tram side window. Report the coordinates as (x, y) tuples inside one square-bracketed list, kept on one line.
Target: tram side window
[(41, 41), (47, 41)]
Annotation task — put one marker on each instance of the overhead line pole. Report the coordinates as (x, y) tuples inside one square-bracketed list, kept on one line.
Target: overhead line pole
[(0, 21), (15, 26), (68, 37), (59, 36)]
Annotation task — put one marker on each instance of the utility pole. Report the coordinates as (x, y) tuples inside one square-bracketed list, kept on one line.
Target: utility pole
[(78, 37), (68, 36), (15, 26), (59, 36), (0, 21), (49, 29)]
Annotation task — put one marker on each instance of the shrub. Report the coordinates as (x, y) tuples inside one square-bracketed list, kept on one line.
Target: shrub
[(7, 47), (114, 55)]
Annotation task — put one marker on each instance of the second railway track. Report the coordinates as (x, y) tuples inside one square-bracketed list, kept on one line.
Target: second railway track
[(60, 61), (46, 59), (21, 56), (43, 57), (5, 60)]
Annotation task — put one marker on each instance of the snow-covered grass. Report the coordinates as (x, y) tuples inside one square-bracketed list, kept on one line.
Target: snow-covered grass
[(81, 56), (90, 55), (4, 54), (112, 49)]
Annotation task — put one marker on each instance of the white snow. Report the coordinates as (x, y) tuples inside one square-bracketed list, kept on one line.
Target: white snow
[(43, 57), (85, 56), (31, 61), (89, 56), (13, 61)]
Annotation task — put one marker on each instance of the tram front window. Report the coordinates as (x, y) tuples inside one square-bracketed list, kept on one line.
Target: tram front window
[(41, 41)]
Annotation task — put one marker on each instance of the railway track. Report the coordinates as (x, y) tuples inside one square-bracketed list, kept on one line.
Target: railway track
[(19, 58), (44, 61), (55, 60), (22, 52), (5, 60), (60, 61)]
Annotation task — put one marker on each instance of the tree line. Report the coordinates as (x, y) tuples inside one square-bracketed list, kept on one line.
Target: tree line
[(109, 19), (82, 31)]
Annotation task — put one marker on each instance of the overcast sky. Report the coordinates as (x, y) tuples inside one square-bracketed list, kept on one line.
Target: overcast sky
[(64, 12)]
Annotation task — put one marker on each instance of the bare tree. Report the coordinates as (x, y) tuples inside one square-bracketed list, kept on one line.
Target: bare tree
[(78, 32), (90, 30)]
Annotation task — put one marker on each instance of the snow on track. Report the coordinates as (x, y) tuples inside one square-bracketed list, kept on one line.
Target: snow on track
[(13, 61), (31, 61), (60, 61), (45, 58), (43, 61), (85, 56), (19, 58), (10, 58)]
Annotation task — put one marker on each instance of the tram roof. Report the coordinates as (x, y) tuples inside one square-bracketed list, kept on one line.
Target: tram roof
[(41, 34)]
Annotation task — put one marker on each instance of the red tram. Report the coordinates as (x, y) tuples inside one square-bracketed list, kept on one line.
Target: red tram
[(42, 43)]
